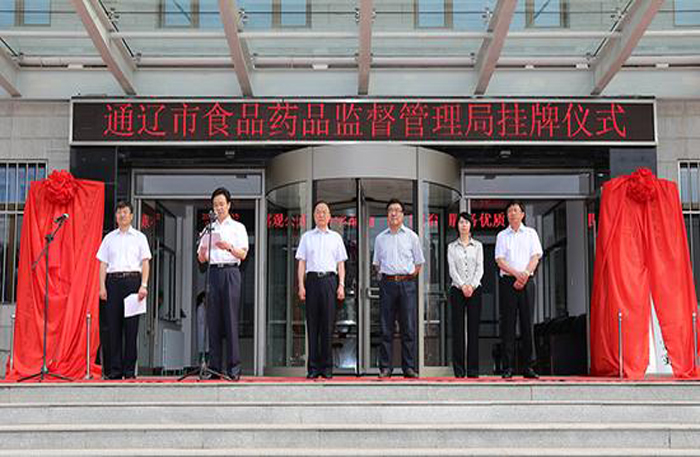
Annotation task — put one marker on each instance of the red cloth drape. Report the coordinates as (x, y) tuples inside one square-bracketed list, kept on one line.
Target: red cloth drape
[(642, 252), (73, 277)]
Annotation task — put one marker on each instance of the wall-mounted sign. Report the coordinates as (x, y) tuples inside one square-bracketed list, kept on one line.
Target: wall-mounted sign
[(292, 121), (484, 220)]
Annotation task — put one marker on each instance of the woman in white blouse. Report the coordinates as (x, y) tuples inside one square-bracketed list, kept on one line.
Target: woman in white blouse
[(465, 257)]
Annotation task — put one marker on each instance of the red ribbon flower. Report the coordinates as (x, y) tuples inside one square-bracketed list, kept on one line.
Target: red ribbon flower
[(642, 186), (60, 187)]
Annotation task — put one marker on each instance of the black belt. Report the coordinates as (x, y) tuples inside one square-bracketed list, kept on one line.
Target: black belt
[(224, 265), (320, 274), (124, 274)]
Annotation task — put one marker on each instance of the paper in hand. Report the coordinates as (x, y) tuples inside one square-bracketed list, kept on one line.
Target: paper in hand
[(204, 243), (134, 307)]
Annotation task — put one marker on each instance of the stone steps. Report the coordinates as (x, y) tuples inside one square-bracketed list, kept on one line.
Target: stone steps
[(341, 418), (351, 436), (377, 452), (676, 412)]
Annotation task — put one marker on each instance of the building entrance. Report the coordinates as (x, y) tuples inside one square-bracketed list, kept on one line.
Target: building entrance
[(358, 182), (173, 334)]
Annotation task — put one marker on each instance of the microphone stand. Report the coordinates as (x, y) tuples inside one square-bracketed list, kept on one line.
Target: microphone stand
[(203, 372), (44, 372)]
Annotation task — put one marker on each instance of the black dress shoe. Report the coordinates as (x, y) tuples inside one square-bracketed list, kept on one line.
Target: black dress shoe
[(385, 373), (507, 373), (472, 375), (114, 376), (313, 375), (235, 377), (410, 373), (529, 373), (129, 376), (460, 375), (327, 375)]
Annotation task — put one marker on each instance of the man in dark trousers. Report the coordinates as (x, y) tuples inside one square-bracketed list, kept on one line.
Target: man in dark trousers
[(321, 276), (398, 256), (124, 267), (518, 251), (224, 299)]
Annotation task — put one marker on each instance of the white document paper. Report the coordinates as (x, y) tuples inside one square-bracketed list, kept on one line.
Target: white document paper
[(134, 307), (204, 244)]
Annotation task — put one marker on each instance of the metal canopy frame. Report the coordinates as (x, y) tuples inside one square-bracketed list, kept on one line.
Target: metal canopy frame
[(619, 48), (133, 70)]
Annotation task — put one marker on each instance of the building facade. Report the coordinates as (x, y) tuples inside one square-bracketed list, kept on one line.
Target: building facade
[(499, 51)]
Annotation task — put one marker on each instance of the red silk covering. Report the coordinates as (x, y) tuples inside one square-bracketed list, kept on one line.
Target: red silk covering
[(642, 251), (73, 277)]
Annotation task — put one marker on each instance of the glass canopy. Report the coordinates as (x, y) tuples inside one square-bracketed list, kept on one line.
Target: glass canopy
[(326, 34)]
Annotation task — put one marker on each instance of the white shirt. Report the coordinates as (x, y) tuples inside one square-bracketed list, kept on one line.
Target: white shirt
[(124, 251), (398, 253), (322, 250), (517, 248), (466, 262), (234, 233)]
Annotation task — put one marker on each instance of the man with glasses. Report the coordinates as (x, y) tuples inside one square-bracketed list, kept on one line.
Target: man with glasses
[(398, 257), (124, 266)]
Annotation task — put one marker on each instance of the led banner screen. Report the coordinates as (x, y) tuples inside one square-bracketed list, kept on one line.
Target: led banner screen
[(291, 121)]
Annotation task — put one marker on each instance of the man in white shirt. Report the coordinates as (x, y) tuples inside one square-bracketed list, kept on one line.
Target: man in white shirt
[(124, 267), (321, 276), (398, 256), (224, 299), (518, 251)]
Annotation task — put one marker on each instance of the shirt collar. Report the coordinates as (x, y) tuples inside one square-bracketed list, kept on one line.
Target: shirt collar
[(324, 232), (130, 231), (522, 226), (226, 221), (471, 241), (402, 228)]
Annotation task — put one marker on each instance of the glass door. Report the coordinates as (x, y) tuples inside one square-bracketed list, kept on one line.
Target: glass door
[(160, 227), (440, 211), (358, 208)]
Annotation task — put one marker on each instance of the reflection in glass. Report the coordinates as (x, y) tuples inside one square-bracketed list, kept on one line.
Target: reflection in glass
[(341, 195), (441, 207), (286, 329)]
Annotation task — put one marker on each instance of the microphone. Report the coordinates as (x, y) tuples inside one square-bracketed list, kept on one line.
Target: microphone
[(212, 215), (61, 218)]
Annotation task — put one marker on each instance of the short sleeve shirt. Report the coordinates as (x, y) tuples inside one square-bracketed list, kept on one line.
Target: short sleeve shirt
[(517, 248), (124, 251), (321, 250), (398, 253), (234, 233)]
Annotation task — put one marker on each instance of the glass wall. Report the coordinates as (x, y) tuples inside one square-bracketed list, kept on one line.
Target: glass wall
[(440, 210), (286, 221)]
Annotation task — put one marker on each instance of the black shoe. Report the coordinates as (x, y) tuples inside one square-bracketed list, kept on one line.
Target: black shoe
[(327, 375), (129, 376), (460, 375), (385, 373), (313, 375), (114, 376), (235, 377), (410, 373), (529, 373), (507, 373), (472, 375)]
